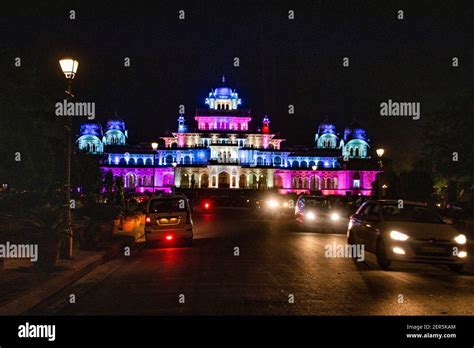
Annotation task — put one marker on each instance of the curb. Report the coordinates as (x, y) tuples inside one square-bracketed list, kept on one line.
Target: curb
[(38, 294)]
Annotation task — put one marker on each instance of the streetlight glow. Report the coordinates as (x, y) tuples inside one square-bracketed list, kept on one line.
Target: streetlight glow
[(380, 152), (154, 146), (69, 67)]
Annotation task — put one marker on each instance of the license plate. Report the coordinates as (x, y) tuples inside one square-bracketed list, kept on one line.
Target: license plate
[(433, 250)]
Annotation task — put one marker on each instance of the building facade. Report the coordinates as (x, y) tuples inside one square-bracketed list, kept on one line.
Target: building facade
[(223, 151)]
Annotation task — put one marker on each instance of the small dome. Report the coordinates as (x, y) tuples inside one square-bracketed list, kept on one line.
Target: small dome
[(354, 131), (91, 129), (223, 92), (116, 124), (326, 128)]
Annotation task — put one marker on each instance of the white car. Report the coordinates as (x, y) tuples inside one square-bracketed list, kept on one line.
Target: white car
[(168, 220), (409, 232)]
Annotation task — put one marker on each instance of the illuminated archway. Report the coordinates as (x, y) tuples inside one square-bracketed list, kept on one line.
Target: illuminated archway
[(224, 180)]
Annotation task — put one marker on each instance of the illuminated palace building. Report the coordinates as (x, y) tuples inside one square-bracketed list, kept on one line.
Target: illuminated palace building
[(225, 152)]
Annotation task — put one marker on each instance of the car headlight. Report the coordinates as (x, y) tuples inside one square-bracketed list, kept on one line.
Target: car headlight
[(335, 216), (310, 215), (395, 235), (460, 239), (272, 203)]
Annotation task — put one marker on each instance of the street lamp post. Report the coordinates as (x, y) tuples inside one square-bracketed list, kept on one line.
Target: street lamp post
[(69, 68), (380, 153), (154, 146)]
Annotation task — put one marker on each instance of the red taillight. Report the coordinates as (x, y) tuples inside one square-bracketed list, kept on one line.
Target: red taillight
[(206, 205), (169, 237), (148, 220)]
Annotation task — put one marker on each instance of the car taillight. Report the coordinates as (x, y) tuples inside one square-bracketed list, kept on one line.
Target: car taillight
[(169, 237), (207, 205), (148, 221)]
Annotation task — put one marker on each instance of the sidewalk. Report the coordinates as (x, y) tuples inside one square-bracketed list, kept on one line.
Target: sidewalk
[(22, 287)]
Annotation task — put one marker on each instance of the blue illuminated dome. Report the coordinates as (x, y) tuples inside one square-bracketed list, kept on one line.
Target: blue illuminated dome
[(354, 131), (326, 128), (116, 124), (223, 92), (94, 129), (326, 137)]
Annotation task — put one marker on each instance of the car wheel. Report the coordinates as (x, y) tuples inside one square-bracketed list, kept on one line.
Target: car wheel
[(381, 254), (456, 268)]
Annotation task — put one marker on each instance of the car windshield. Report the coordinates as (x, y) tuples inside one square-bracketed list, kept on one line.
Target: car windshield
[(165, 205), (316, 203), (411, 213)]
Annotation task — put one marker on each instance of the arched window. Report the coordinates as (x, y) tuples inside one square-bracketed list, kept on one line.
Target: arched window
[(304, 164), (148, 162), (277, 161), (168, 159), (305, 183), (329, 183), (323, 183), (295, 164), (356, 152), (351, 152)]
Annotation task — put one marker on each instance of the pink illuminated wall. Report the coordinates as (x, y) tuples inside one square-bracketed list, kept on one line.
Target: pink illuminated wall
[(141, 179), (303, 181), (222, 122)]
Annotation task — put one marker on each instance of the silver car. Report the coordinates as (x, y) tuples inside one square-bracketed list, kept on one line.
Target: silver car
[(406, 231), (168, 220)]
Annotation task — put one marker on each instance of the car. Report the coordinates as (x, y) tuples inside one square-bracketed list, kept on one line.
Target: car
[(276, 205), (168, 220), (317, 211), (396, 230)]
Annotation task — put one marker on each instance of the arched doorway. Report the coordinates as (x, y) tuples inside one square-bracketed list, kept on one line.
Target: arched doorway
[(262, 183), (277, 181), (243, 181), (185, 180), (204, 181), (130, 180), (224, 180)]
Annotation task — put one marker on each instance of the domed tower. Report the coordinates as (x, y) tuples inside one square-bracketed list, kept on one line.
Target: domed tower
[(266, 125), (89, 139), (356, 143), (115, 133), (223, 98), (182, 128), (326, 137)]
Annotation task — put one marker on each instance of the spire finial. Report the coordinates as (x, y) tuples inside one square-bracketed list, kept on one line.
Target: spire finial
[(223, 78)]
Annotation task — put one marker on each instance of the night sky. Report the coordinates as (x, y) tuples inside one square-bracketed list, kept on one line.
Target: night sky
[(282, 61)]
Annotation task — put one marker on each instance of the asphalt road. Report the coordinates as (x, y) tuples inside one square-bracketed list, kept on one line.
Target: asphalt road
[(276, 264)]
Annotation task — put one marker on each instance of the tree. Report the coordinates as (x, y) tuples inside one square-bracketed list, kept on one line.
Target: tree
[(32, 138), (448, 148)]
